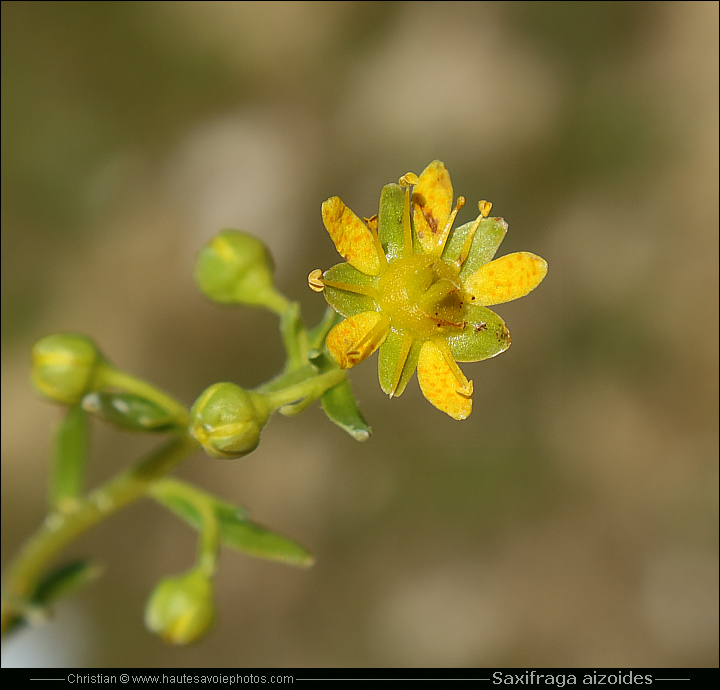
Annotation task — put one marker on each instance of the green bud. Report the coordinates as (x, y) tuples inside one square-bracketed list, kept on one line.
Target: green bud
[(64, 366), (236, 268), (181, 609), (129, 411), (227, 420)]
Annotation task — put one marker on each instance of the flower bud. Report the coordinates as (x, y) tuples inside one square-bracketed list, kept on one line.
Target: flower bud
[(181, 609), (64, 366), (227, 420), (236, 268)]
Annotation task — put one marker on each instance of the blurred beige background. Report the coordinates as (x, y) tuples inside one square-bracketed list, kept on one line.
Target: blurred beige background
[(572, 520)]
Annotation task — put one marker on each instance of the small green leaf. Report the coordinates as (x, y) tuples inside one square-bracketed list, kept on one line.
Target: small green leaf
[(484, 336), (490, 234), (65, 580), (345, 302), (390, 221), (388, 358), (255, 540), (71, 449), (236, 529), (129, 411), (339, 404)]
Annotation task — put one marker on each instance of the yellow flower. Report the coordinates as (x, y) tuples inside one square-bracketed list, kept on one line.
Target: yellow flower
[(419, 290)]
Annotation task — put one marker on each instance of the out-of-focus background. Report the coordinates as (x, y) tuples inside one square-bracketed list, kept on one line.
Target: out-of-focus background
[(572, 520)]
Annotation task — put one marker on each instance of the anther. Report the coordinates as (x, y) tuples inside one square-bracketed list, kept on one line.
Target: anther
[(408, 180), (372, 222), (484, 208), (315, 280)]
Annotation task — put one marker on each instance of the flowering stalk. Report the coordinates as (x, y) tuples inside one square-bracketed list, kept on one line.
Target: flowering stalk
[(411, 287)]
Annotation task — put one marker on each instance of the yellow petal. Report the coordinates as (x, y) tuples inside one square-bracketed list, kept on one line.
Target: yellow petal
[(506, 279), (432, 203), (443, 383), (351, 236), (356, 338)]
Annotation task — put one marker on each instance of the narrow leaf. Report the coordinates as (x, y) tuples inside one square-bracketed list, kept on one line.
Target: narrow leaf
[(129, 411), (65, 580), (236, 530), (340, 406)]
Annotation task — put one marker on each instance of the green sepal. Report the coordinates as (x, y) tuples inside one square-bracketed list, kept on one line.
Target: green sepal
[(236, 529), (484, 336), (342, 301), (390, 221), (129, 411), (339, 403), (488, 237), (70, 459), (388, 361)]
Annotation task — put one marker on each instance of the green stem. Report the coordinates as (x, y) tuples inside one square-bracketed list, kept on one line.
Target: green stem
[(209, 527), (59, 529), (316, 336), (294, 337), (311, 388), (67, 474), (275, 301)]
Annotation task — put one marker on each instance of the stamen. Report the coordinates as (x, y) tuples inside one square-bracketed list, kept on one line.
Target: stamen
[(446, 230), (402, 358), (371, 339), (315, 280), (407, 182), (372, 224), (317, 283), (358, 289), (465, 387), (484, 208)]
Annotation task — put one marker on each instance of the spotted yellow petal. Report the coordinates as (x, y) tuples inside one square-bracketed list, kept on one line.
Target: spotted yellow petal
[(442, 382), (356, 338), (432, 200), (351, 236), (506, 279)]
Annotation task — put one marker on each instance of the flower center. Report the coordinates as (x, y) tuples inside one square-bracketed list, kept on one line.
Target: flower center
[(422, 295)]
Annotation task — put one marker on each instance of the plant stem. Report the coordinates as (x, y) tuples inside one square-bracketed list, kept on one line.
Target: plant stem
[(60, 528), (310, 389)]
